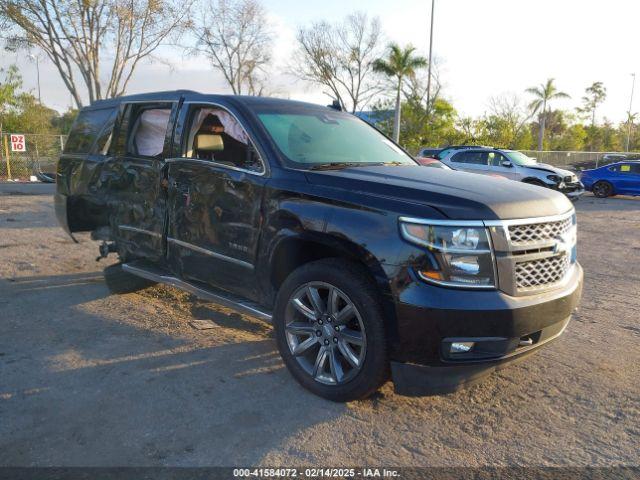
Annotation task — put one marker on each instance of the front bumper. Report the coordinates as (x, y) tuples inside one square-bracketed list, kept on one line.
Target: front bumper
[(504, 329), (572, 190)]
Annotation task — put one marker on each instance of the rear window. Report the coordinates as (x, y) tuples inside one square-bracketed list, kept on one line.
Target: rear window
[(85, 130)]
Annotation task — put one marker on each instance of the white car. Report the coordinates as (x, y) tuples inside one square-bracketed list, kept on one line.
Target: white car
[(514, 166)]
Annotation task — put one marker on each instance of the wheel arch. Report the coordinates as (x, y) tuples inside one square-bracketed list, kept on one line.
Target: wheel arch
[(534, 180), (293, 250)]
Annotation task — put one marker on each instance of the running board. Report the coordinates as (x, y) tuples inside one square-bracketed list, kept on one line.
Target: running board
[(216, 296)]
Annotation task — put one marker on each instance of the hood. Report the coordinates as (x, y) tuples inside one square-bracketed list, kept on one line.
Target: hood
[(551, 169), (458, 195)]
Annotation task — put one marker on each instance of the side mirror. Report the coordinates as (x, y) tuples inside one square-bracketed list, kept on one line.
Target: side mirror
[(507, 163)]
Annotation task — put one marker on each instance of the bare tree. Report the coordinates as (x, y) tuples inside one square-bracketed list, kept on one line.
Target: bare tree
[(510, 110), (234, 35), (340, 58), (77, 36)]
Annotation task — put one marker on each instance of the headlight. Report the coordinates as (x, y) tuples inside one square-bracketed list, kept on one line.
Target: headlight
[(460, 256), (554, 178)]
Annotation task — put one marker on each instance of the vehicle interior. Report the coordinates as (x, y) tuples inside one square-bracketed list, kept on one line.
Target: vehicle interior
[(217, 136)]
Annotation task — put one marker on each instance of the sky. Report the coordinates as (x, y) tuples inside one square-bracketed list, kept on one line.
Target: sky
[(484, 48)]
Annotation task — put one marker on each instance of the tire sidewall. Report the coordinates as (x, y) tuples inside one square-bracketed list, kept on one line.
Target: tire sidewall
[(607, 193), (353, 284)]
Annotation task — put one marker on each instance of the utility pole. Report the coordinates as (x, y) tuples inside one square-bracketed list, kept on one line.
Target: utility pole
[(37, 60), (433, 6), (633, 85)]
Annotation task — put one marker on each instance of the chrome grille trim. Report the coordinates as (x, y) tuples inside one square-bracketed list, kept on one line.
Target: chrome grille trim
[(541, 274), (530, 257), (537, 232)]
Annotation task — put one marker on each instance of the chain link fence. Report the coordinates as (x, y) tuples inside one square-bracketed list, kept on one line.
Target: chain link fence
[(39, 158), (580, 160), (41, 153)]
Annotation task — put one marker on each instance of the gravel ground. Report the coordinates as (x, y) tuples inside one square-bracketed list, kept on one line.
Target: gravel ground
[(87, 378)]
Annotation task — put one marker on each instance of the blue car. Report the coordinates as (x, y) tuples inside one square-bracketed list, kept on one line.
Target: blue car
[(622, 178)]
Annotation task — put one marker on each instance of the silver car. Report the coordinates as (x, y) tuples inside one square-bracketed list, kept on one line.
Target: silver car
[(514, 166)]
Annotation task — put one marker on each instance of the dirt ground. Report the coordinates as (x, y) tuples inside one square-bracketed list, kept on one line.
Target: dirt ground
[(91, 379)]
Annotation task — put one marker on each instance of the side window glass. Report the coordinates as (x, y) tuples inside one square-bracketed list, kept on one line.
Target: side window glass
[(496, 159), (85, 130), (635, 168), (476, 158), (214, 134), (103, 143), (459, 157), (149, 132), (625, 168)]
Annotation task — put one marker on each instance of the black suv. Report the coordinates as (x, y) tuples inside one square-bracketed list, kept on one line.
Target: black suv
[(368, 264)]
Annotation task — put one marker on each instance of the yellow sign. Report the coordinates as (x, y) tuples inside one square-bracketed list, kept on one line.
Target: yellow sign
[(625, 168)]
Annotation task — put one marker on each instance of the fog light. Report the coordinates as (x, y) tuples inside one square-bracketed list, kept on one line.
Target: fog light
[(461, 347)]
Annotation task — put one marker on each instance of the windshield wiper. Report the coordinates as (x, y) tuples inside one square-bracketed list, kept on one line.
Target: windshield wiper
[(338, 165)]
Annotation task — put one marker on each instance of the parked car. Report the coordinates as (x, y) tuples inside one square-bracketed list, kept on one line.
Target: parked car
[(367, 264), (428, 152), (621, 178), (432, 162), (514, 166)]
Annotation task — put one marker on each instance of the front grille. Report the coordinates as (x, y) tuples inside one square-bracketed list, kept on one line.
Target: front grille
[(534, 255), (521, 235), (542, 273)]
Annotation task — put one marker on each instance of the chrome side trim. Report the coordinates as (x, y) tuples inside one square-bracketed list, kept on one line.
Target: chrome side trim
[(129, 228), (211, 163), (210, 253), (219, 298)]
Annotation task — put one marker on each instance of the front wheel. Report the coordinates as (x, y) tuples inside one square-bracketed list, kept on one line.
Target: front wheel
[(602, 189), (330, 330), (535, 182)]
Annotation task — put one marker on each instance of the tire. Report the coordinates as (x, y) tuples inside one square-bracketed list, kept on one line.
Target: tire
[(118, 281), (364, 366), (602, 189)]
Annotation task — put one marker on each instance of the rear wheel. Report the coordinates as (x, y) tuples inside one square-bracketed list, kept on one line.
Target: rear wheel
[(330, 330), (118, 281), (602, 189)]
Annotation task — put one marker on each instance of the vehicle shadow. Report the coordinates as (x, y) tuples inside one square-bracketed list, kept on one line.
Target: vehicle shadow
[(589, 203), (79, 387)]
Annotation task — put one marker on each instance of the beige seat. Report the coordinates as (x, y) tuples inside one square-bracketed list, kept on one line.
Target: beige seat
[(209, 142)]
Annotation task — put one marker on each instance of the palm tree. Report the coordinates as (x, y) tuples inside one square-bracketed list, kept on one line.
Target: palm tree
[(400, 63), (544, 93)]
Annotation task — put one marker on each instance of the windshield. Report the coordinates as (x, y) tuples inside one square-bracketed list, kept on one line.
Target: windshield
[(317, 137), (520, 158)]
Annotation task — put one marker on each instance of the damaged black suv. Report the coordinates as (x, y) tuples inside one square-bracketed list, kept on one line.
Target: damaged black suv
[(368, 264)]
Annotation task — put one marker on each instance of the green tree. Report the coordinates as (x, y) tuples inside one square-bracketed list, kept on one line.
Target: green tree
[(543, 94), (9, 88), (21, 111), (399, 64), (594, 96)]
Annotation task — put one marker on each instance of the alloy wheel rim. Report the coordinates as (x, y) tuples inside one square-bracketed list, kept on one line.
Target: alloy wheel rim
[(602, 189), (325, 333)]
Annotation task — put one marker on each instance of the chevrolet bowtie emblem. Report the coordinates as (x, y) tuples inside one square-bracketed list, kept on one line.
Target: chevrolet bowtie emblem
[(561, 245)]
